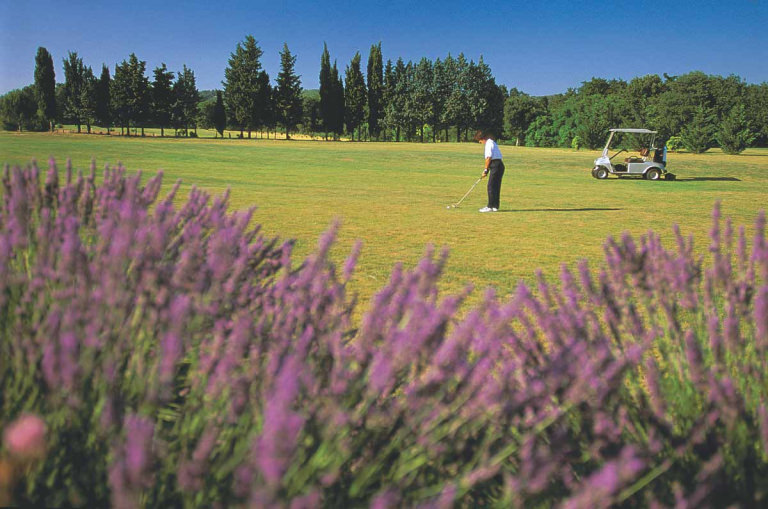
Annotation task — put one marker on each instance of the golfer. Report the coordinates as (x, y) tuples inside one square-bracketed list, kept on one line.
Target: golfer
[(494, 170)]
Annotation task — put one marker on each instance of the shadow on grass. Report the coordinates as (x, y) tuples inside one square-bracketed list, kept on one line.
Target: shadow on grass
[(559, 210), (707, 179)]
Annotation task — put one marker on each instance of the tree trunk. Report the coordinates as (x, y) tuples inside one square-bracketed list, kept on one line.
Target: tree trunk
[(249, 134), (397, 133), (162, 132), (78, 127)]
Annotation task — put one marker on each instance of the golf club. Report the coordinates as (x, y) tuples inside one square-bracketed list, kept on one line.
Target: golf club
[(465, 195)]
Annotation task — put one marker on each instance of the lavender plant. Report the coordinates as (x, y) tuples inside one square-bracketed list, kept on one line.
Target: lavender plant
[(180, 358)]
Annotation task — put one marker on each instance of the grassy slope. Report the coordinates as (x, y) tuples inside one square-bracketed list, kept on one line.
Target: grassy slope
[(394, 197)]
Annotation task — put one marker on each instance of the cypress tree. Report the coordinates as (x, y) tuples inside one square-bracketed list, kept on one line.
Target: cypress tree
[(337, 102), (45, 86), (102, 99), (326, 91), (288, 101), (354, 97), (375, 78), (219, 114), (387, 97)]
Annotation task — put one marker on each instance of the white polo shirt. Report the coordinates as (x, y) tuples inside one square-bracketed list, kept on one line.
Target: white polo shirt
[(492, 150)]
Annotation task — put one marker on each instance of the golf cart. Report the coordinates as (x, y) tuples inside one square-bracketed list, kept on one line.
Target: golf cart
[(651, 164)]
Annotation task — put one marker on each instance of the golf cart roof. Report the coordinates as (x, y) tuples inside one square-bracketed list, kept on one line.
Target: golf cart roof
[(641, 131)]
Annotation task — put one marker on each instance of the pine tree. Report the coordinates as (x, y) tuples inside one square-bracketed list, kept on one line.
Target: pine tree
[(442, 89), (288, 102), (735, 133), (119, 94), (375, 79), (162, 97), (423, 95), (244, 92), (398, 91), (102, 99), (88, 99), (185, 100), (45, 86), (354, 97), (697, 136), (219, 114)]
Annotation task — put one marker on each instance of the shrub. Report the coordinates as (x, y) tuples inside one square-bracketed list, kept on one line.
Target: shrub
[(576, 143), (178, 357), (674, 143)]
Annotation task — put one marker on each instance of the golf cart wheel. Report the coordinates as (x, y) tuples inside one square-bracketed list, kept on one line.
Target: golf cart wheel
[(600, 173), (653, 174)]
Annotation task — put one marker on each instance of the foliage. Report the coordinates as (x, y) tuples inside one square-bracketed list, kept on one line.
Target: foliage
[(18, 109), (674, 143), (244, 92), (698, 135), (103, 111), (577, 143), (184, 111), (354, 96), (162, 97), (130, 93), (219, 114), (179, 357), (734, 134), (288, 103), (45, 86), (77, 82), (375, 84)]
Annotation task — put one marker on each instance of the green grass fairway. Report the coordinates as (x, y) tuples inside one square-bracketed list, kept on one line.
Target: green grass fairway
[(393, 196)]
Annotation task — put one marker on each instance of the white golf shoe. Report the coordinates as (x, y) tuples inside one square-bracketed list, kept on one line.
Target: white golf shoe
[(486, 209)]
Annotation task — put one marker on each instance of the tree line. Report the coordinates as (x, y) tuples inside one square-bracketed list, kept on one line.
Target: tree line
[(694, 111), (445, 100)]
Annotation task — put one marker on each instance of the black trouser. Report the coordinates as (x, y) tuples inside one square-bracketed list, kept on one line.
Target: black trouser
[(495, 173)]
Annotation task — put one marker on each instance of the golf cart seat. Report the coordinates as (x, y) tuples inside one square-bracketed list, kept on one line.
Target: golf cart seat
[(634, 159)]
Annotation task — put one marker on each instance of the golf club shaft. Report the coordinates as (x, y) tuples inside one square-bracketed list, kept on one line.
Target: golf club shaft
[(467, 193)]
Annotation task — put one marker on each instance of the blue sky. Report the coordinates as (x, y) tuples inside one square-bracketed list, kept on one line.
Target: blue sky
[(540, 48)]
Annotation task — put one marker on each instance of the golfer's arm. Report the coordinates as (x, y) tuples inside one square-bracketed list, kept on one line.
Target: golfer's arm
[(487, 162)]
